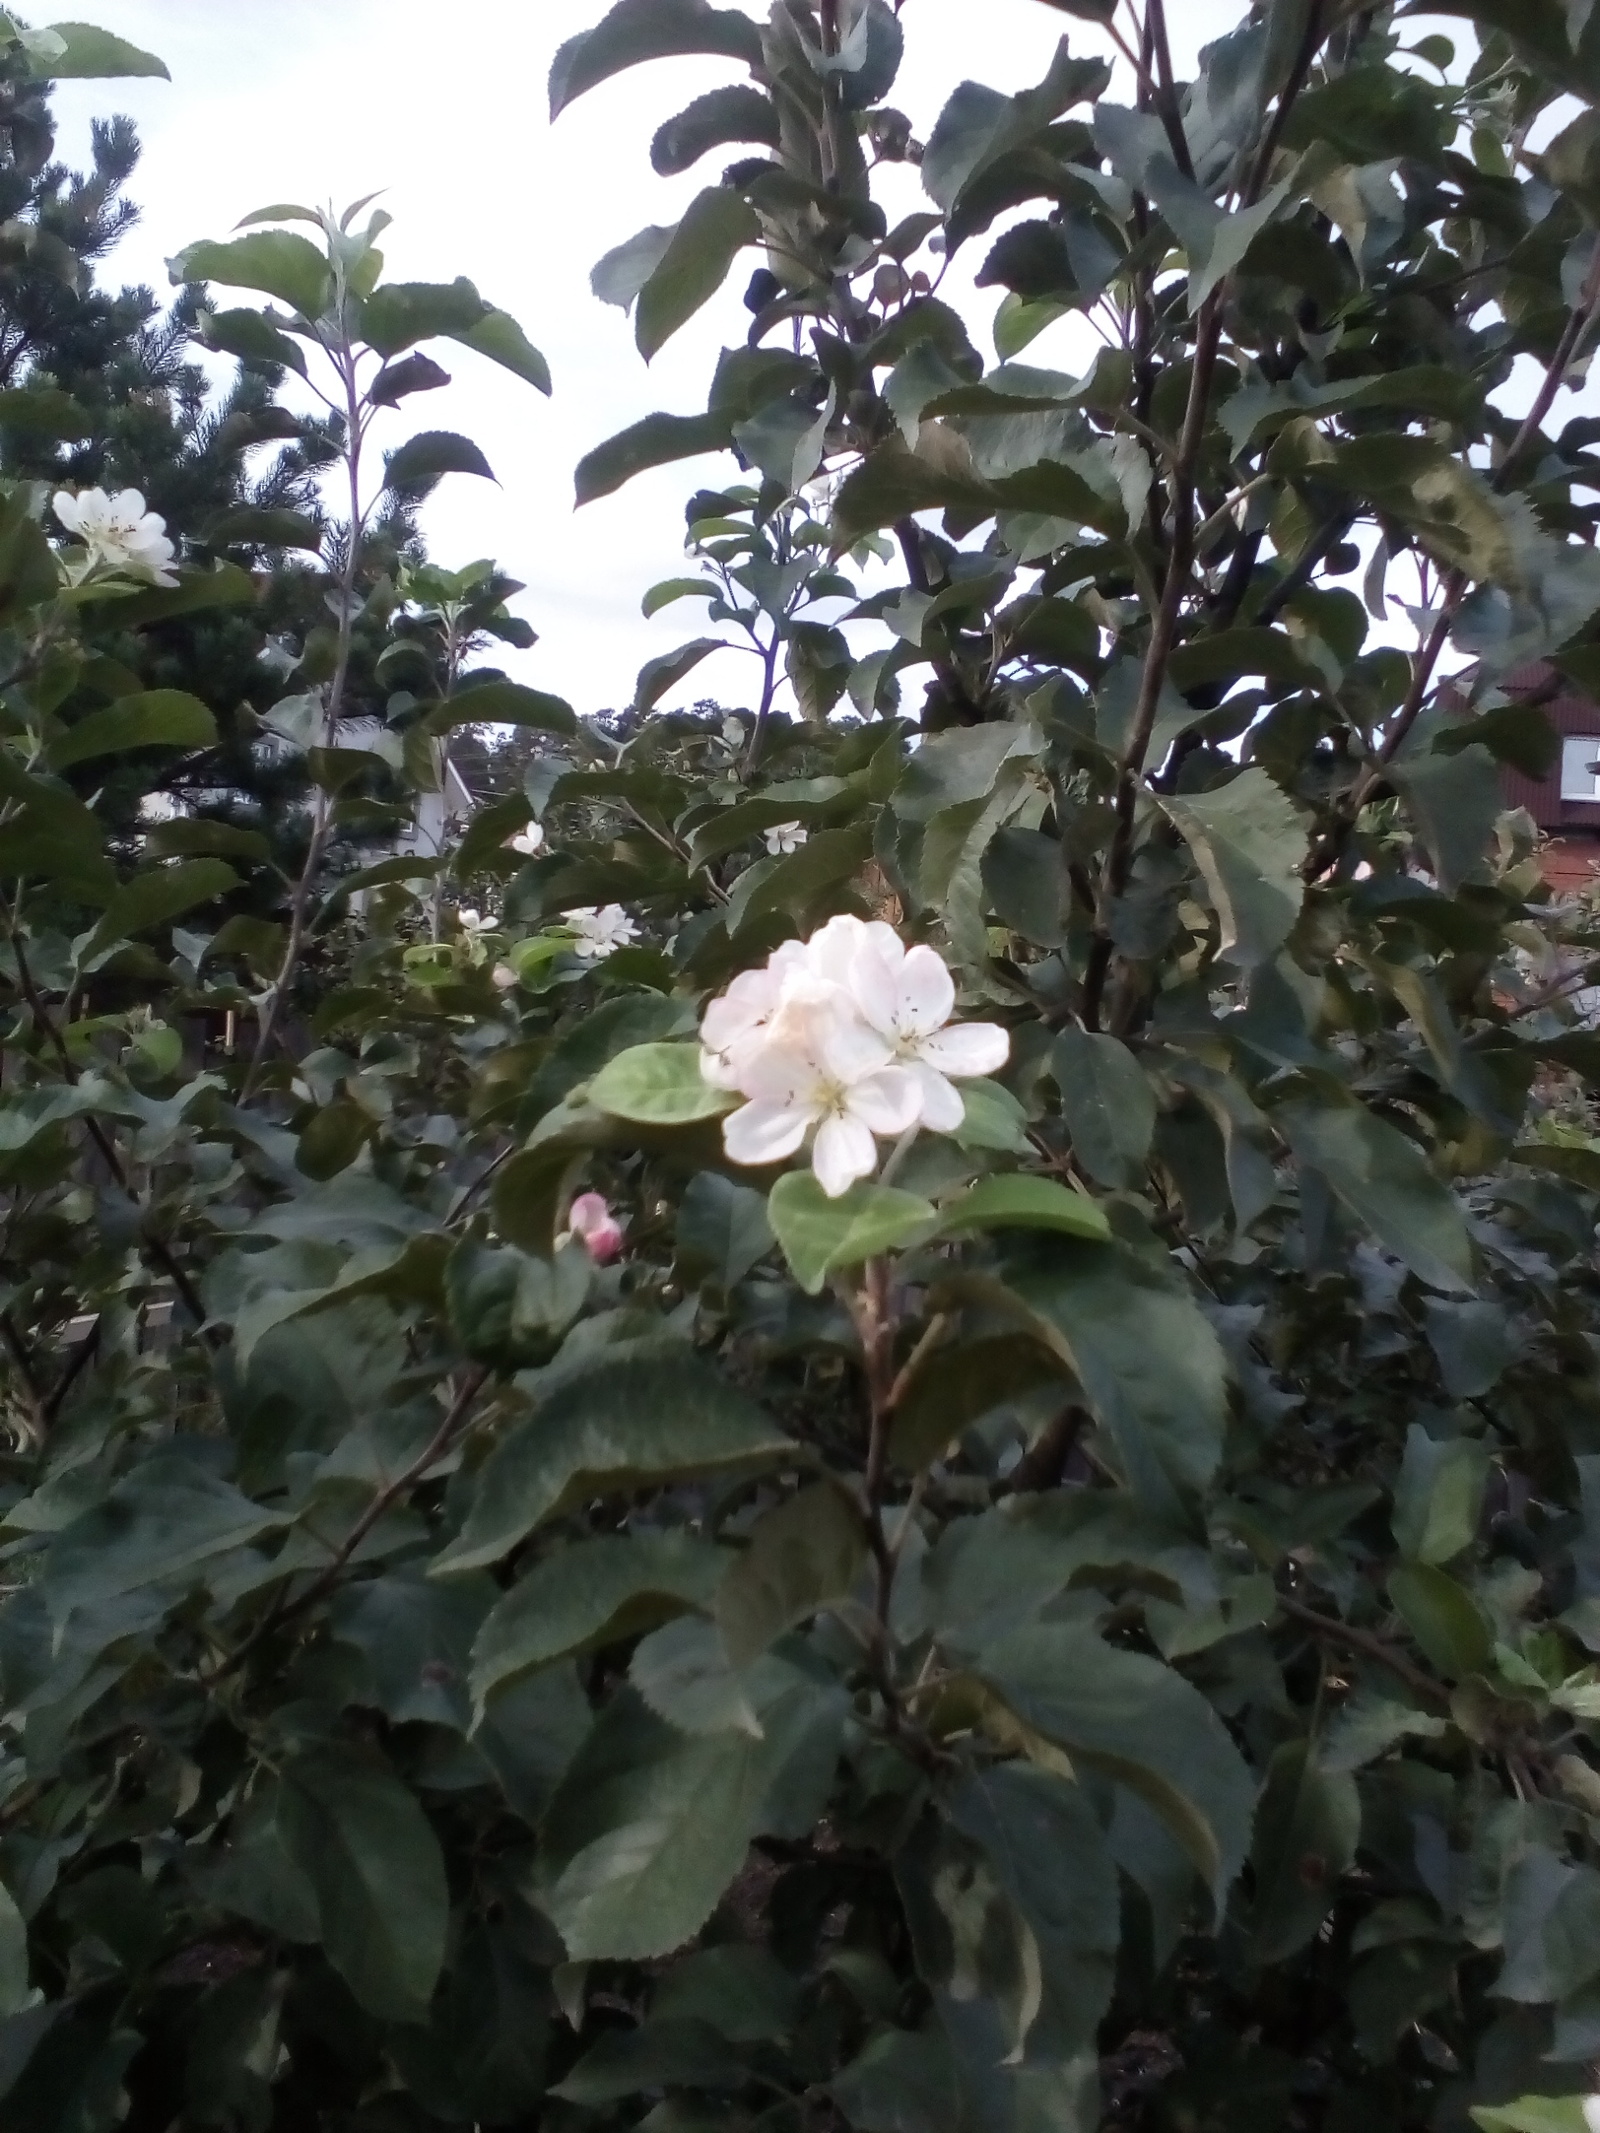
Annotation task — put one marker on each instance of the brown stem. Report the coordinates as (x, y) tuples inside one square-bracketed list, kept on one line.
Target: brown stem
[(1167, 98), (440, 1442), (1372, 1647)]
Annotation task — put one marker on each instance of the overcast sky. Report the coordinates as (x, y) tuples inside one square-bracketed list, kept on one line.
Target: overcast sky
[(444, 108)]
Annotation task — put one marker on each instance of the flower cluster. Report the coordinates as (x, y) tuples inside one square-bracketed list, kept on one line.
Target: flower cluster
[(599, 933), (120, 535), (849, 1034)]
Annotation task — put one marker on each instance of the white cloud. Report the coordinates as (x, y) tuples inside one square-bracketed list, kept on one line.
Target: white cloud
[(275, 100)]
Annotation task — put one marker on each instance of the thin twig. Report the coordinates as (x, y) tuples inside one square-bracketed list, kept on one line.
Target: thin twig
[(1362, 1640), (440, 1442)]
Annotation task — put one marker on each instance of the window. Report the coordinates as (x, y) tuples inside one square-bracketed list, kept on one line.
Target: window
[(1580, 768)]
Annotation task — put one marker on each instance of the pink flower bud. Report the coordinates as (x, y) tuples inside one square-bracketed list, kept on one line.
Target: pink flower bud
[(592, 1221)]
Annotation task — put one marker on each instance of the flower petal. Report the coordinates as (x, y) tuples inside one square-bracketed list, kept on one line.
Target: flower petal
[(887, 1102), (925, 994), (848, 1048), (966, 1049), (942, 1108), (844, 1151), (764, 1132)]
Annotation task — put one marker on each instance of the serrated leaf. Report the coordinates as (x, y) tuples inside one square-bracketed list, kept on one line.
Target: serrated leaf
[(1249, 841), (1108, 1105), (1018, 1202), (956, 1387), (425, 459), (161, 718), (718, 225), (1384, 1179), (154, 898), (733, 113), (820, 1236), (657, 441), (659, 675), (625, 1423), (722, 1228), (1308, 1825), (367, 1849), (401, 313), (589, 1595), (802, 1557), (1442, 1615), (1141, 1724), (1438, 1498), (658, 1085), (508, 703), (639, 30), (91, 54), (1150, 1366), (276, 262), (498, 336), (252, 338)]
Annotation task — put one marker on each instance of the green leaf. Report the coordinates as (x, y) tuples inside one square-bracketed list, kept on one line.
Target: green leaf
[(650, 1827), (723, 1229), (1249, 841), (498, 336), (161, 1525), (14, 1988), (733, 113), (367, 1849), (590, 1595), (91, 54), (1384, 1179), (1014, 1201), (658, 1085), (43, 412), (154, 898), (1438, 1498), (401, 313), (820, 1236), (716, 228), (657, 441), (1455, 801), (276, 262), (1140, 1723), (1446, 1621), (1308, 1825), (639, 30), (426, 458), (1532, 2114), (621, 1423), (672, 589), (1449, 506), (978, 125), (804, 1556), (993, 1119), (659, 675), (1108, 1105), (1150, 1365), (161, 718), (955, 1387), (249, 528), (508, 703), (252, 338)]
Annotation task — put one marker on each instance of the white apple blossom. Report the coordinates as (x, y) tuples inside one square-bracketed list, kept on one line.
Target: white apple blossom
[(475, 922), (786, 837), (1591, 2113), (907, 995), (504, 977), (120, 535), (528, 841), (847, 1034), (599, 932)]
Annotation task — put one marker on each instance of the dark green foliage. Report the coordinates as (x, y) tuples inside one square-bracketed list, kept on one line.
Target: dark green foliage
[(1097, 1627)]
